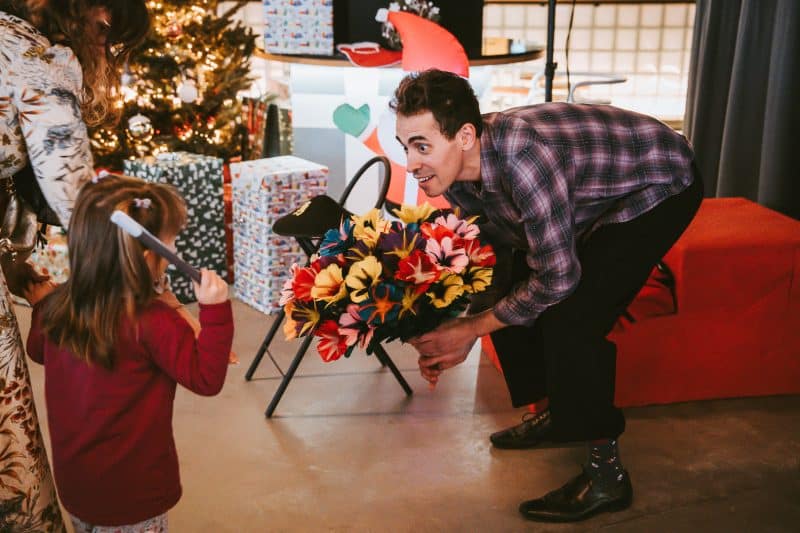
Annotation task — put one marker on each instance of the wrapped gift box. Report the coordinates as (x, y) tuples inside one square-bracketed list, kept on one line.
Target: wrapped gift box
[(298, 26), (199, 180), (264, 190)]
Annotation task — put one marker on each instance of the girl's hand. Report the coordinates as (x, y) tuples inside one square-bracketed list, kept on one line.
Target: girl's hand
[(36, 290), (212, 288)]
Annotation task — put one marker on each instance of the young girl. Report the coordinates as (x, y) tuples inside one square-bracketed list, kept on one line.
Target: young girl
[(113, 353)]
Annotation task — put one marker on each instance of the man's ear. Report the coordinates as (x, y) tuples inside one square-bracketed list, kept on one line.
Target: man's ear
[(466, 136)]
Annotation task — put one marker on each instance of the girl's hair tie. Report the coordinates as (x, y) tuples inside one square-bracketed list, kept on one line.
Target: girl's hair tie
[(142, 203), (100, 175)]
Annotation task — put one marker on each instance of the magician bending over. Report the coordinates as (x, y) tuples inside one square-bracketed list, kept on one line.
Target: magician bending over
[(585, 200)]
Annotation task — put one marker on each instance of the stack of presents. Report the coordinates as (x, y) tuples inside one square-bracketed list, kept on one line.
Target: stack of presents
[(260, 192)]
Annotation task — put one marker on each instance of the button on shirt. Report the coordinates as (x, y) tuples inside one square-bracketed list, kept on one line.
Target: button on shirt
[(553, 173)]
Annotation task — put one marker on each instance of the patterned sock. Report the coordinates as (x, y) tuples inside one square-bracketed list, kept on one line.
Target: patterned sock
[(604, 466), (539, 407)]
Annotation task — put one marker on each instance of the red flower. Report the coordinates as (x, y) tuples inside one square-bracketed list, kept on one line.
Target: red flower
[(436, 231), (331, 346), (482, 256), (418, 269), (303, 282)]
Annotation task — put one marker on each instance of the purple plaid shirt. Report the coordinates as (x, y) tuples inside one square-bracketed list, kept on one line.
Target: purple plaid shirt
[(552, 173)]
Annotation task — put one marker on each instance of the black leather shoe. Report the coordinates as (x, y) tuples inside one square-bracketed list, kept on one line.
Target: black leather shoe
[(578, 500), (530, 433)]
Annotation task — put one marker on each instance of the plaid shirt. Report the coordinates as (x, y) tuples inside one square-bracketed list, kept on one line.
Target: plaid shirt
[(551, 174)]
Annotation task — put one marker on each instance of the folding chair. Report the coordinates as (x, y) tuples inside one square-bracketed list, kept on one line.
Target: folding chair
[(320, 214)]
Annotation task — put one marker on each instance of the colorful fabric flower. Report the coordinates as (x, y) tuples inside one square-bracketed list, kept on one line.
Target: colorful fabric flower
[(409, 301), (480, 255), (417, 269), (443, 294), (331, 346), (414, 214), (476, 279), (462, 228), (353, 329), (306, 315), (329, 285), (337, 240), (447, 254), (368, 229), (303, 282), (363, 275), (383, 304)]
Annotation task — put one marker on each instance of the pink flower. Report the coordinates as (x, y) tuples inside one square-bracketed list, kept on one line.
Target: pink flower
[(461, 228), (353, 329), (447, 255)]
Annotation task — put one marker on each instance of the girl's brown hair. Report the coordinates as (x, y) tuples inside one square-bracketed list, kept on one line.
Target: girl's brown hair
[(67, 22), (109, 277)]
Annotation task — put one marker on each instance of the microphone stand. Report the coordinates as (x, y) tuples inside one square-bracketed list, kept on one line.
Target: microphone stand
[(550, 66)]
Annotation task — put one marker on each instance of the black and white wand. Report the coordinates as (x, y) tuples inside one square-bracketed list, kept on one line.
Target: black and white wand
[(135, 230)]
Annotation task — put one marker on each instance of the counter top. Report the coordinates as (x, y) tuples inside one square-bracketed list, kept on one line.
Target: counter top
[(340, 61)]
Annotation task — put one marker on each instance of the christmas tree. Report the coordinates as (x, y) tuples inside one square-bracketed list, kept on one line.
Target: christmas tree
[(179, 88)]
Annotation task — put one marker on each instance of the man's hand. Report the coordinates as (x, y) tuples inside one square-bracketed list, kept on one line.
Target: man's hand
[(444, 347)]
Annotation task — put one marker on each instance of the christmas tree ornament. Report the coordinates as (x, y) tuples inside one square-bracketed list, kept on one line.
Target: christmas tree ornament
[(187, 91), (174, 29), (140, 128)]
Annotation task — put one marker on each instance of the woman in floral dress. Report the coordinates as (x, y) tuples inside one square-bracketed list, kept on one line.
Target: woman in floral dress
[(58, 68)]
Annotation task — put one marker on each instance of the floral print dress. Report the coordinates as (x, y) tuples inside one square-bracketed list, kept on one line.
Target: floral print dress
[(40, 124)]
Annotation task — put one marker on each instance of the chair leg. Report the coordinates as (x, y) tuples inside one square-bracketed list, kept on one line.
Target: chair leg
[(301, 352), (265, 344), (384, 358)]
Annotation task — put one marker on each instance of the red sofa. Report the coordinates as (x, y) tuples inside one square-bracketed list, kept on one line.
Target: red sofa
[(736, 329)]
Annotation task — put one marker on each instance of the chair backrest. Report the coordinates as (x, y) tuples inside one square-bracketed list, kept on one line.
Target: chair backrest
[(384, 185)]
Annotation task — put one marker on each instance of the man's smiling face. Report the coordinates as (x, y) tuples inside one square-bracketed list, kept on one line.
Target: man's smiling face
[(434, 160)]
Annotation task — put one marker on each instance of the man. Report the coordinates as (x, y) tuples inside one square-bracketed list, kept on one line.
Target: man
[(586, 199)]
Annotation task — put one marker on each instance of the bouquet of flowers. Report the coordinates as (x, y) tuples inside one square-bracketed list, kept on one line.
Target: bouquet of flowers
[(374, 279)]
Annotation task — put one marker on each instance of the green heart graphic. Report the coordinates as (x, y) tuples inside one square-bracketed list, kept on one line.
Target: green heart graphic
[(351, 120)]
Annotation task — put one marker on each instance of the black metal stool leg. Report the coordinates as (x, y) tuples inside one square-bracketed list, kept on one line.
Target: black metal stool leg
[(265, 344), (384, 358), (301, 352)]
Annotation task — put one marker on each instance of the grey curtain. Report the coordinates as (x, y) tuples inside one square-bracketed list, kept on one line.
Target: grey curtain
[(743, 102)]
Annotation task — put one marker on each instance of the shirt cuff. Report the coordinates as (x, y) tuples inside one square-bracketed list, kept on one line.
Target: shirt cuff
[(510, 312), (221, 313)]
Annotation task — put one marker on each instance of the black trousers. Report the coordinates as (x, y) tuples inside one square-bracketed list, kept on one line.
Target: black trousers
[(565, 355)]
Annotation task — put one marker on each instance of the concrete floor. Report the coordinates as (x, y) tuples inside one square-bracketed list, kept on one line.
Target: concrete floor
[(347, 451)]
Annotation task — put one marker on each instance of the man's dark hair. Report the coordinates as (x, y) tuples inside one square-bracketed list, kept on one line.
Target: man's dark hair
[(447, 96)]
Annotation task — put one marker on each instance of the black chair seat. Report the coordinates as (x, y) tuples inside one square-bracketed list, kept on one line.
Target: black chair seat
[(312, 219)]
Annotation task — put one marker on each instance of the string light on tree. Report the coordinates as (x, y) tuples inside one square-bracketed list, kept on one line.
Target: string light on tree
[(179, 89)]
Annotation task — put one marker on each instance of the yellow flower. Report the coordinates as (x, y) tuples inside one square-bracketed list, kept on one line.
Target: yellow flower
[(414, 214), (289, 325), (410, 297), (307, 315), (477, 279), (362, 276), (368, 228), (445, 291), (329, 285)]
